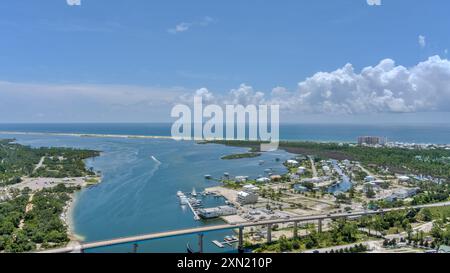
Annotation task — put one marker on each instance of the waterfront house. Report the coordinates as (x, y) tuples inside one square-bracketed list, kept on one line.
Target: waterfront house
[(369, 178), (275, 177), (403, 179), (292, 162), (370, 186), (263, 180), (326, 170), (301, 170), (338, 193), (294, 176), (346, 162), (241, 179), (250, 188)]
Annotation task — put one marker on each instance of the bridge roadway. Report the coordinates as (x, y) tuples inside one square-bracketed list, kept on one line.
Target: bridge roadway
[(201, 230)]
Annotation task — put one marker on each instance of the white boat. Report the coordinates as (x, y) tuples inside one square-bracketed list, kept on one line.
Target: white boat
[(194, 192), (180, 193), (184, 200), (195, 202)]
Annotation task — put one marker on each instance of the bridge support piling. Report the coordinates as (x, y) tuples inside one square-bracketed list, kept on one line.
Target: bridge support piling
[(241, 240), (295, 230), (269, 233), (319, 226), (200, 243)]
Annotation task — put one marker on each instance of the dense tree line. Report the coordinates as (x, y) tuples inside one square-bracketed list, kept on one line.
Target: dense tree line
[(11, 213), (396, 159), (18, 160), (42, 225)]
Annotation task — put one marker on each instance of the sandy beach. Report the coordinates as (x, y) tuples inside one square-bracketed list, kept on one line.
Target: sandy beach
[(84, 135), (67, 218), (68, 214), (108, 136)]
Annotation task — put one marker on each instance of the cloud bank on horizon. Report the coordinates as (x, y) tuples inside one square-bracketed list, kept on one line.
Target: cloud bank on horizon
[(384, 88)]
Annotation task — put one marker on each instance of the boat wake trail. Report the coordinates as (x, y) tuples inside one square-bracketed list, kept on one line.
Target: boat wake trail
[(156, 160)]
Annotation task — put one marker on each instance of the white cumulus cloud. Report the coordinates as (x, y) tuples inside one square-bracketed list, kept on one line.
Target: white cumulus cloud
[(73, 2), (374, 2), (386, 87), (422, 41), (185, 26), (383, 88)]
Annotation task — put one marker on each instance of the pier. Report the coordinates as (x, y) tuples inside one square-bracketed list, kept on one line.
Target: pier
[(196, 217), (188, 201)]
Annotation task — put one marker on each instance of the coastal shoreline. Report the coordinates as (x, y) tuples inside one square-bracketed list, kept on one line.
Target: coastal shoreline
[(117, 136), (68, 214), (84, 135), (69, 221)]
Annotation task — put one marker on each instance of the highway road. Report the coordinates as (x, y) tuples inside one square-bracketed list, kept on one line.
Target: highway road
[(200, 230)]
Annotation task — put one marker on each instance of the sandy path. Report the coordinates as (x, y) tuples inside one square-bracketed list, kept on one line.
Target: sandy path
[(28, 208), (365, 170), (39, 165), (313, 166)]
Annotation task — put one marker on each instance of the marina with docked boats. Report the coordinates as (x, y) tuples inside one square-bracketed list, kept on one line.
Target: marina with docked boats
[(194, 202)]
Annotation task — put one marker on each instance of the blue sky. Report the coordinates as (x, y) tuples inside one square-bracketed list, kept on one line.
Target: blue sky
[(159, 51)]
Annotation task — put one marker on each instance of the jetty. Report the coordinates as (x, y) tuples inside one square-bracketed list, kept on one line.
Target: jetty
[(196, 217), (184, 201)]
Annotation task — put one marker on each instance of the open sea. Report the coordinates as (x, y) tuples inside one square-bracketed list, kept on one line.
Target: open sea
[(419, 133), (142, 176)]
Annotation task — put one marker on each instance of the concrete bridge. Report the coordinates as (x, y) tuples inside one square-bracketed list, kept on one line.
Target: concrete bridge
[(200, 231)]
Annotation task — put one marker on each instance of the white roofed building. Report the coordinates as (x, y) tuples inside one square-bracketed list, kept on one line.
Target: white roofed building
[(263, 180), (292, 162), (246, 198), (250, 188)]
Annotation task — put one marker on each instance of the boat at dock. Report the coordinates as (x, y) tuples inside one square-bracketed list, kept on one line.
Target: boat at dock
[(192, 203), (183, 199), (195, 202), (229, 239), (218, 244)]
